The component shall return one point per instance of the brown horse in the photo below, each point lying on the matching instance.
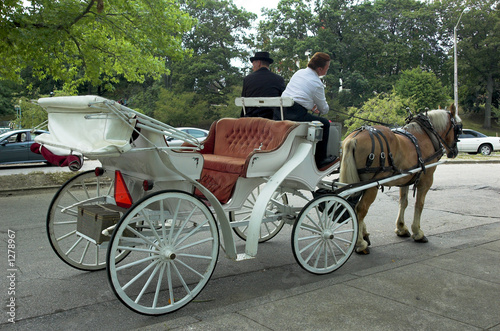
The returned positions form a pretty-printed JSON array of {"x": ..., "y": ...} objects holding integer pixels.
[{"x": 371, "y": 153}]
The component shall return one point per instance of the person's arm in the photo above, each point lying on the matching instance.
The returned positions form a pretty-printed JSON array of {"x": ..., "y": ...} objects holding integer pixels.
[{"x": 320, "y": 100}]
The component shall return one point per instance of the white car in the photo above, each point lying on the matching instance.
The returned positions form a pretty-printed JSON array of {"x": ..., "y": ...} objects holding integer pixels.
[
  {"x": 199, "y": 134},
  {"x": 474, "y": 142}
]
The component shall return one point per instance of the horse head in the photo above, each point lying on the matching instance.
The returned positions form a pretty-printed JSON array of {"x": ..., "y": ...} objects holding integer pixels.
[{"x": 448, "y": 126}]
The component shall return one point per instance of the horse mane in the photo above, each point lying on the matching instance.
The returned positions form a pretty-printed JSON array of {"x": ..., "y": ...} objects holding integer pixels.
[{"x": 438, "y": 118}]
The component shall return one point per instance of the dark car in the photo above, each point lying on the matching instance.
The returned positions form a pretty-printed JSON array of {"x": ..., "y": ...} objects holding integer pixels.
[{"x": 15, "y": 147}]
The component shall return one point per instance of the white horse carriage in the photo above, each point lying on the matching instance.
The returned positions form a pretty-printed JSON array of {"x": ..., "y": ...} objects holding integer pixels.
[{"x": 156, "y": 216}]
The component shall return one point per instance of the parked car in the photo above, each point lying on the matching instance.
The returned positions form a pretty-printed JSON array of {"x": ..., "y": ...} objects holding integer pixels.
[
  {"x": 474, "y": 142},
  {"x": 15, "y": 147},
  {"x": 199, "y": 134}
]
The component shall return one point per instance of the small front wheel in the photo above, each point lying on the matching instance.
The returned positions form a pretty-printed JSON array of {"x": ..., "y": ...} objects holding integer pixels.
[
  {"x": 324, "y": 236},
  {"x": 173, "y": 242}
]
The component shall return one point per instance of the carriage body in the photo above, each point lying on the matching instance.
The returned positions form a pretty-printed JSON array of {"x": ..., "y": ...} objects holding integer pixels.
[{"x": 151, "y": 203}]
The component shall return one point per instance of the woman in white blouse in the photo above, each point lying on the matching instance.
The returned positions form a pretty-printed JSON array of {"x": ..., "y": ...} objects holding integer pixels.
[{"x": 308, "y": 94}]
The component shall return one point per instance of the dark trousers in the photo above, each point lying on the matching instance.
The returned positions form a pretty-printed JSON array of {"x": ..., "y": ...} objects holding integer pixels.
[{"x": 298, "y": 113}]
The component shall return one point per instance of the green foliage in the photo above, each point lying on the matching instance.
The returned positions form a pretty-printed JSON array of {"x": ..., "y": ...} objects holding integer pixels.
[
  {"x": 385, "y": 108},
  {"x": 218, "y": 38},
  {"x": 6, "y": 102},
  {"x": 32, "y": 114},
  {"x": 179, "y": 109},
  {"x": 423, "y": 88},
  {"x": 91, "y": 41}
]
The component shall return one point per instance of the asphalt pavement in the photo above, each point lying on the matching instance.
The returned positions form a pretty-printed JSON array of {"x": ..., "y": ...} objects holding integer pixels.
[{"x": 450, "y": 283}]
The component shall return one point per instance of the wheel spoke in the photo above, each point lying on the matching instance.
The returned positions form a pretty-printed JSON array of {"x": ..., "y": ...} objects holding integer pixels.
[
  {"x": 150, "y": 278},
  {"x": 139, "y": 275}
]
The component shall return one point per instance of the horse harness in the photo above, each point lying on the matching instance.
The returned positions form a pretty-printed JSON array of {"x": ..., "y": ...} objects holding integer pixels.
[{"x": 424, "y": 122}]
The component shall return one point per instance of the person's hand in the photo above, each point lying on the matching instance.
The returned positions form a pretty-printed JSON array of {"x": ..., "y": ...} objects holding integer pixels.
[{"x": 315, "y": 109}]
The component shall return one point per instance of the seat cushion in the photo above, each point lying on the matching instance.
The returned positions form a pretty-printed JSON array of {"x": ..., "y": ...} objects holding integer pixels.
[{"x": 222, "y": 163}]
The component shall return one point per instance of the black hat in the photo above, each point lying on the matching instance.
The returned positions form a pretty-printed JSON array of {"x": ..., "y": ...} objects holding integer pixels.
[{"x": 264, "y": 56}]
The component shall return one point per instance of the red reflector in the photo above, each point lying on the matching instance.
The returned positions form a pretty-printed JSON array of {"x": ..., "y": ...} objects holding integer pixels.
[{"x": 122, "y": 196}]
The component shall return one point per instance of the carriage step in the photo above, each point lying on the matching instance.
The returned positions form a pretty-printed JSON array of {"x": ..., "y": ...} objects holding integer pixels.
[{"x": 243, "y": 257}]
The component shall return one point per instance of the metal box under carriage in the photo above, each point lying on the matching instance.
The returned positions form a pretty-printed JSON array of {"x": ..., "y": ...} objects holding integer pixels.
[{"x": 93, "y": 219}]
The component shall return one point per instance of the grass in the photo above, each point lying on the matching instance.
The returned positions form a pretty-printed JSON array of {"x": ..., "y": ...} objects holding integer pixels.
[{"x": 475, "y": 122}]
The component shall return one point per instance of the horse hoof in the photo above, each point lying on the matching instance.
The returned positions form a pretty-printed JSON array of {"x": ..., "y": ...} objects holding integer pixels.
[
  {"x": 367, "y": 239},
  {"x": 422, "y": 240},
  {"x": 365, "y": 251},
  {"x": 405, "y": 235}
]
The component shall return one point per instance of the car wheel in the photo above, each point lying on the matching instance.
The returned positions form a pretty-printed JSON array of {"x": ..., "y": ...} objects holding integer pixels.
[{"x": 485, "y": 149}]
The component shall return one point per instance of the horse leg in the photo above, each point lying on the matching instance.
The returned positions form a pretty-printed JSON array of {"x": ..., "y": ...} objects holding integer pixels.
[
  {"x": 423, "y": 187},
  {"x": 362, "y": 207},
  {"x": 401, "y": 228}
]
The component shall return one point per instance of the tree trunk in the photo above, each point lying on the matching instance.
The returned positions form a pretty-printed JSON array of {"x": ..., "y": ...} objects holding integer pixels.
[{"x": 487, "y": 108}]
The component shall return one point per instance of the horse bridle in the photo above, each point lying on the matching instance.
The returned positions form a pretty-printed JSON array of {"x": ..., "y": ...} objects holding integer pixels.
[{"x": 457, "y": 130}]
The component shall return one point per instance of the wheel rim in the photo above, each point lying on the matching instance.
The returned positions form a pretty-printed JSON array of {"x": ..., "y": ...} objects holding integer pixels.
[
  {"x": 170, "y": 260},
  {"x": 485, "y": 150},
  {"x": 271, "y": 224},
  {"x": 324, "y": 236},
  {"x": 76, "y": 251}
]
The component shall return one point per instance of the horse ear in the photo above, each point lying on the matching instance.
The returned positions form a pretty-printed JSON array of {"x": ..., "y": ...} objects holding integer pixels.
[{"x": 453, "y": 110}]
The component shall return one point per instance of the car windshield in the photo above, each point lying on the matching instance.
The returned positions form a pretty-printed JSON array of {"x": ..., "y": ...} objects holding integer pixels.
[{"x": 5, "y": 135}]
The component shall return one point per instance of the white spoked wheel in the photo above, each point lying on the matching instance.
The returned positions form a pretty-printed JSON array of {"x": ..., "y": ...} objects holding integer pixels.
[
  {"x": 171, "y": 258},
  {"x": 273, "y": 220},
  {"x": 78, "y": 252},
  {"x": 324, "y": 236}
]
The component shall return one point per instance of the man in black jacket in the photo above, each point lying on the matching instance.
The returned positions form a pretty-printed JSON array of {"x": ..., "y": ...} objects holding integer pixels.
[{"x": 261, "y": 83}]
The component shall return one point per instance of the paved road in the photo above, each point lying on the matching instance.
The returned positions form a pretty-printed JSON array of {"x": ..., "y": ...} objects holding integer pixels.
[{"x": 52, "y": 296}]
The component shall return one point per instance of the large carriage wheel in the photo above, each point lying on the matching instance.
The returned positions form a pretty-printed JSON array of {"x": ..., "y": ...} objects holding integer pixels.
[
  {"x": 76, "y": 251},
  {"x": 271, "y": 224},
  {"x": 325, "y": 234},
  {"x": 172, "y": 257}
]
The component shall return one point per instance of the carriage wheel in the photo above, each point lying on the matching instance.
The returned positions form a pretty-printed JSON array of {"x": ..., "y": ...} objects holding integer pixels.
[
  {"x": 73, "y": 249},
  {"x": 325, "y": 234},
  {"x": 171, "y": 259},
  {"x": 269, "y": 229}
]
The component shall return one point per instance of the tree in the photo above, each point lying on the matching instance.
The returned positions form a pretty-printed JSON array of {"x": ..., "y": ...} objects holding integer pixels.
[
  {"x": 6, "y": 102},
  {"x": 384, "y": 108},
  {"x": 287, "y": 33},
  {"x": 91, "y": 41},
  {"x": 479, "y": 51},
  {"x": 423, "y": 88},
  {"x": 218, "y": 38},
  {"x": 179, "y": 109}
]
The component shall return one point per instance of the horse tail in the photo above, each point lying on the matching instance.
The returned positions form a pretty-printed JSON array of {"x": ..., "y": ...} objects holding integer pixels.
[{"x": 348, "y": 169}]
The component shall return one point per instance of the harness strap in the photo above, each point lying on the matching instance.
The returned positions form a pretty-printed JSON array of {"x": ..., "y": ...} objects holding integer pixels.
[
  {"x": 413, "y": 139},
  {"x": 374, "y": 133}
]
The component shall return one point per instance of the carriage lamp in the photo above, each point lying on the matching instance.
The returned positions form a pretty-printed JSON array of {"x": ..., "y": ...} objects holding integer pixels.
[
  {"x": 99, "y": 171},
  {"x": 315, "y": 131},
  {"x": 147, "y": 185}
]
